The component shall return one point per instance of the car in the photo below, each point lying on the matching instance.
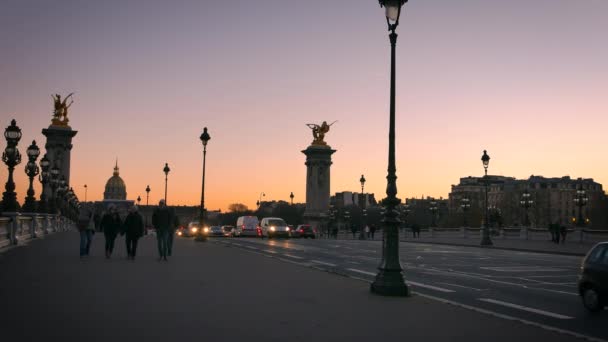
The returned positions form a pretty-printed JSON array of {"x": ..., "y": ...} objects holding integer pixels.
[
  {"x": 189, "y": 231},
  {"x": 274, "y": 227},
  {"x": 249, "y": 226},
  {"x": 304, "y": 231},
  {"x": 218, "y": 231},
  {"x": 231, "y": 231},
  {"x": 593, "y": 279}
]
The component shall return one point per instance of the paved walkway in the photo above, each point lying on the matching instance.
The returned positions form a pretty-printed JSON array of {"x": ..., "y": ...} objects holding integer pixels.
[{"x": 208, "y": 292}]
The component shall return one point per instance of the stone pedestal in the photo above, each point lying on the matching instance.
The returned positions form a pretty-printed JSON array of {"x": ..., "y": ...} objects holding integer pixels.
[
  {"x": 318, "y": 163},
  {"x": 58, "y": 150}
]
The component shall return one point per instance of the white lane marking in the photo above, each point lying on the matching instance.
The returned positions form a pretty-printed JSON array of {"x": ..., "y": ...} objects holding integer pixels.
[
  {"x": 524, "y": 308},
  {"x": 464, "y": 287},
  {"x": 236, "y": 244},
  {"x": 292, "y": 256},
  {"x": 430, "y": 287},
  {"x": 251, "y": 247},
  {"x": 362, "y": 272},
  {"x": 324, "y": 263},
  {"x": 270, "y": 251},
  {"x": 523, "y": 269}
]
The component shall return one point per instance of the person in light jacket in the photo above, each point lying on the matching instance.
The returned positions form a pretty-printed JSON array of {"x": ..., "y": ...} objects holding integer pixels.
[{"x": 86, "y": 227}]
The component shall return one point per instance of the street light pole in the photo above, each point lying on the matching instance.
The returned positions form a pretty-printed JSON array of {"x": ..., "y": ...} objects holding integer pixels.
[
  {"x": 291, "y": 196},
  {"x": 11, "y": 157},
  {"x": 85, "y": 193},
  {"x": 205, "y": 137},
  {"x": 147, "y": 194},
  {"x": 44, "y": 178},
  {"x": 466, "y": 204},
  {"x": 362, "y": 180},
  {"x": 31, "y": 170},
  {"x": 166, "y": 170},
  {"x": 433, "y": 209},
  {"x": 580, "y": 201},
  {"x": 485, "y": 240},
  {"x": 526, "y": 202},
  {"x": 389, "y": 280}
]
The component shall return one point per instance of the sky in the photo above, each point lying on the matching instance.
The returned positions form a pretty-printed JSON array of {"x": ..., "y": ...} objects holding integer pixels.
[{"x": 525, "y": 80}]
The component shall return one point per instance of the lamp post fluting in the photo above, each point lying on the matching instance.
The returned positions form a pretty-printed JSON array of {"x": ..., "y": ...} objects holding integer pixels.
[
  {"x": 580, "y": 200},
  {"x": 11, "y": 157},
  {"x": 362, "y": 180},
  {"x": 485, "y": 240},
  {"x": 389, "y": 280},
  {"x": 166, "y": 170},
  {"x": 204, "y": 139},
  {"x": 31, "y": 170},
  {"x": 526, "y": 202},
  {"x": 44, "y": 178},
  {"x": 465, "y": 205}
]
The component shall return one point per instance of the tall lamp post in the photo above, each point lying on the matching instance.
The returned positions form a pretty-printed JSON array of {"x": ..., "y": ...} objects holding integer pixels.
[
  {"x": 147, "y": 195},
  {"x": 580, "y": 200},
  {"x": 259, "y": 202},
  {"x": 362, "y": 180},
  {"x": 204, "y": 139},
  {"x": 526, "y": 202},
  {"x": 85, "y": 193},
  {"x": 54, "y": 186},
  {"x": 485, "y": 240},
  {"x": 11, "y": 157},
  {"x": 31, "y": 170},
  {"x": 291, "y": 196},
  {"x": 465, "y": 205},
  {"x": 138, "y": 200},
  {"x": 389, "y": 280},
  {"x": 166, "y": 170},
  {"x": 433, "y": 209},
  {"x": 44, "y": 178}
]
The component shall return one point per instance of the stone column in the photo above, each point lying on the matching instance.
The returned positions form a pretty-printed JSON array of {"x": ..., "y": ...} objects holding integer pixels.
[
  {"x": 58, "y": 149},
  {"x": 318, "y": 163}
]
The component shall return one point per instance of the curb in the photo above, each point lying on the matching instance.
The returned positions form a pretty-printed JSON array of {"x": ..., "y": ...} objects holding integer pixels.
[{"x": 497, "y": 247}]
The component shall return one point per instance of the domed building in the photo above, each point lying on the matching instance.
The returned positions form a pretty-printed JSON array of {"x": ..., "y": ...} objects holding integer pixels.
[{"x": 116, "y": 190}]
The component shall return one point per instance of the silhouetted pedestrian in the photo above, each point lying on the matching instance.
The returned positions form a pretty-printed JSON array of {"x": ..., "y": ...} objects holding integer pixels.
[
  {"x": 367, "y": 231},
  {"x": 111, "y": 225},
  {"x": 162, "y": 221},
  {"x": 86, "y": 227},
  {"x": 171, "y": 233},
  {"x": 134, "y": 229},
  {"x": 563, "y": 232},
  {"x": 372, "y": 230},
  {"x": 353, "y": 230}
]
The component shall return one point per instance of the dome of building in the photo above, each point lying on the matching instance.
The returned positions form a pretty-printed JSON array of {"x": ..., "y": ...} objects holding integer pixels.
[{"x": 115, "y": 187}]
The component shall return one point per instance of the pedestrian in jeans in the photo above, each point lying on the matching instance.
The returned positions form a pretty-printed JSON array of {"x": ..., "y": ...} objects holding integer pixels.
[
  {"x": 134, "y": 229},
  {"x": 111, "y": 226},
  {"x": 86, "y": 227},
  {"x": 162, "y": 220}
]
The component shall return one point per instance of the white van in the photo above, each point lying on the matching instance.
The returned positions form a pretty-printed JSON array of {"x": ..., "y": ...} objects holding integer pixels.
[
  {"x": 248, "y": 226},
  {"x": 274, "y": 226}
]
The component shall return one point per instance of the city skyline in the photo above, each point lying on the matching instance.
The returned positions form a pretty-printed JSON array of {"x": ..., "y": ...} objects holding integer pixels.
[{"x": 525, "y": 81}]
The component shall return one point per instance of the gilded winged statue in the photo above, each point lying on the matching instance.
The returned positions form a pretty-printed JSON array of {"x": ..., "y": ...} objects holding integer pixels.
[
  {"x": 60, "y": 113},
  {"x": 318, "y": 132}
]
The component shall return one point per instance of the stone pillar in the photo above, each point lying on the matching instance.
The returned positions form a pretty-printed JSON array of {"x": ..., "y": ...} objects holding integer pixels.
[
  {"x": 58, "y": 149},
  {"x": 318, "y": 163}
]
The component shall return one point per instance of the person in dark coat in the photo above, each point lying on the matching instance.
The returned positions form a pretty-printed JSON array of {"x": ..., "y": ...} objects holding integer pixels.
[
  {"x": 171, "y": 233},
  {"x": 134, "y": 229},
  {"x": 372, "y": 230},
  {"x": 111, "y": 226},
  {"x": 162, "y": 220}
]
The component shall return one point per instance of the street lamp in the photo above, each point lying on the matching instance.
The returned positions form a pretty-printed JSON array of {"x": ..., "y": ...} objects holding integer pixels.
[
  {"x": 433, "y": 209},
  {"x": 389, "y": 280},
  {"x": 580, "y": 200},
  {"x": 166, "y": 170},
  {"x": 466, "y": 205},
  {"x": 147, "y": 194},
  {"x": 138, "y": 200},
  {"x": 31, "y": 170},
  {"x": 291, "y": 196},
  {"x": 259, "y": 202},
  {"x": 526, "y": 202},
  {"x": 54, "y": 186},
  {"x": 485, "y": 240},
  {"x": 85, "y": 193},
  {"x": 364, "y": 209},
  {"x": 44, "y": 178},
  {"x": 11, "y": 157},
  {"x": 204, "y": 139}
]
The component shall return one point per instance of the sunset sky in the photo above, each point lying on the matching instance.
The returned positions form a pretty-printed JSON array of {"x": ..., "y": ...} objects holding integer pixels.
[{"x": 526, "y": 80}]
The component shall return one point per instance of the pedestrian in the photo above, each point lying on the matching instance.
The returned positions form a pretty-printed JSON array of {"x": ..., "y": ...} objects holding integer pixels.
[
  {"x": 353, "y": 230},
  {"x": 134, "y": 229},
  {"x": 372, "y": 230},
  {"x": 563, "y": 232},
  {"x": 367, "y": 231},
  {"x": 110, "y": 225},
  {"x": 171, "y": 234},
  {"x": 86, "y": 227},
  {"x": 162, "y": 221}
]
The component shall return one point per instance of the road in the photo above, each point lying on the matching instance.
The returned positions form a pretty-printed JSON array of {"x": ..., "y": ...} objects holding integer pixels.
[{"x": 538, "y": 289}]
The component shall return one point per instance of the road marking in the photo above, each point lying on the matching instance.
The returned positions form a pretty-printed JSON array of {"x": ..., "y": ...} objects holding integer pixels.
[
  {"x": 251, "y": 247},
  {"x": 270, "y": 251},
  {"x": 430, "y": 287},
  {"x": 524, "y": 308},
  {"x": 324, "y": 263},
  {"x": 464, "y": 287},
  {"x": 523, "y": 269},
  {"x": 292, "y": 256},
  {"x": 362, "y": 272}
]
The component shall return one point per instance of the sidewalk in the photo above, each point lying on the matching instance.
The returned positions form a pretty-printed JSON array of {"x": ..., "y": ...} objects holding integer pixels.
[{"x": 214, "y": 293}]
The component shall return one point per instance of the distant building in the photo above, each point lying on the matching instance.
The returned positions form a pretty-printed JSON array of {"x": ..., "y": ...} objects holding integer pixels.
[
  {"x": 115, "y": 187},
  {"x": 346, "y": 198},
  {"x": 420, "y": 211}
]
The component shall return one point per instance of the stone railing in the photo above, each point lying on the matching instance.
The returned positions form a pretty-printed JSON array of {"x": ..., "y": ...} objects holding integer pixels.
[{"x": 21, "y": 227}]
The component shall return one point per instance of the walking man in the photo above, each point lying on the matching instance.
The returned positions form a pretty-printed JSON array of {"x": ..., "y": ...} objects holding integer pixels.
[
  {"x": 86, "y": 227},
  {"x": 162, "y": 221},
  {"x": 111, "y": 226},
  {"x": 134, "y": 229},
  {"x": 171, "y": 235},
  {"x": 372, "y": 230}
]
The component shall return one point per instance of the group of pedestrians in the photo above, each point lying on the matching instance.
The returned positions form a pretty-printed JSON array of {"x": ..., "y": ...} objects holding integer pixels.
[{"x": 110, "y": 223}]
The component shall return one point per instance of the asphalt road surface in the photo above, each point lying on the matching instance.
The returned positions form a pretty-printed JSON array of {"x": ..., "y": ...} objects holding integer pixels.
[{"x": 535, "y": 288}]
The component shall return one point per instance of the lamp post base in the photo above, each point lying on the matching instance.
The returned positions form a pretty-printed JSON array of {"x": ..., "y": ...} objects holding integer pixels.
[{"x": 390, "y": 283}]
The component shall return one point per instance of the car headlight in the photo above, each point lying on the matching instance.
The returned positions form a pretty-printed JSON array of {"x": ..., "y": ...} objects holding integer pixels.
[
  {"x": 205, "y": 230},
  {"x": 194, "y": 229},
  {"x": 179, "y": 233},
  {"x": 287, "y": 229},
  {"x": 272, "y": 229}
]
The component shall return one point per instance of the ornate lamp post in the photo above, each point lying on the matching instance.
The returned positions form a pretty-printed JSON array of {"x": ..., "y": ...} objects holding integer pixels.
[
  {"x": 31, "y": 170},
  {"x": 138, "y": 200},
  {"x": 147, "y": 194},
  {"x": 11, "y": 157},
  {"x": 85, "y": 193},
  {"x": 204, "y": 139},
  {"x": 526, "y": 202},
  {"x": 389, "y": 280},
  {"x": 54, "y": 186},
  {"x": 166, "y": 170},
  {"x": 291, "y": 196},
  {"x": 259, "y": 202},
  {"x": 580, "y": 200},
  {"x": 465, "y": 205},
  {"x": 485, "y": 240},
  {"x": 433, "y": 209},
  {"x": 363, "y": 209},
  {"x": 44, "y": 178}
]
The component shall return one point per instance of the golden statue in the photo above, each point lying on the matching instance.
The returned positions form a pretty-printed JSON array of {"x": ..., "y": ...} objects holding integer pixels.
[
  {"x": 318, "y": 132},
  {"x": 60, "y": 113}
]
